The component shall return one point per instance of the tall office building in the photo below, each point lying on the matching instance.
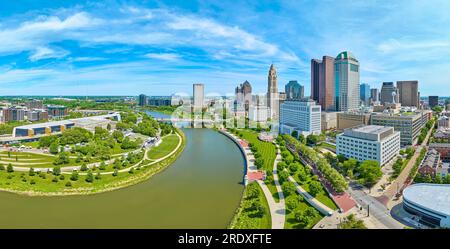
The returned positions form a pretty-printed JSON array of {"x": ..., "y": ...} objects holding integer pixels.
[
  {"x": 198, "y": 95},
  {"x": 388, "y": 93},
  {"x": 433, "y": 101},
  {"x": 272, "y": 93},
  {"x": 323, "y": 82},
  {"x": 303, "y": 116},
  {"x": 374, "y": 95},
  {"x": 143, "y": 100},
  {"x": 364, "y": 93},
  {"x": 408, "y": 92},
  {"x": 294, "y": 90},
  {"x": 243, "y": 95},
  {"x": 347, "y": 81}
]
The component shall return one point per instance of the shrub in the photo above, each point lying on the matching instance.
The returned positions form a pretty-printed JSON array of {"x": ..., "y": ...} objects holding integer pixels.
[
  {"x": 74, "y": 176},
  {"x": 89, "y": 177},
  {"x": 32, "y": 182},
  {"x": 62, "y": 177},
  {"x": 116, "y": 173},
  {"x": 68, "y": 184},
  {"x": 55, "y": 179}
]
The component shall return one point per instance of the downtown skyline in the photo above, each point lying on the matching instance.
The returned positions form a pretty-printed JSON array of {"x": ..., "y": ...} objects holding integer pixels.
[{"x": 87, "y": 48}]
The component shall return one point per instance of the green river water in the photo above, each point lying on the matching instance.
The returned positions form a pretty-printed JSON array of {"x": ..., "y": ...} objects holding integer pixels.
[{"x": 200, "y": 190}]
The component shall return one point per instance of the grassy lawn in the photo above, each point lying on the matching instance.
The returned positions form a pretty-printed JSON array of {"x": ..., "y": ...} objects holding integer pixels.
[
  {"x": 33, "y": 144},
  {"x": 267, "y": 149},
  {"x": 273, "y": 189},
  {"x": 246, "y": 217},
  {"x": 45, "y": 182},
  {"x": 168, "y": 144}
]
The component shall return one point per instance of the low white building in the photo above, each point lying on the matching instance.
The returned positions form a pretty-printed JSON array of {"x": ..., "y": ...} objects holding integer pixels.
[
  {"x": 369, "y": 142},
  {"x": 303, "y": 116}
]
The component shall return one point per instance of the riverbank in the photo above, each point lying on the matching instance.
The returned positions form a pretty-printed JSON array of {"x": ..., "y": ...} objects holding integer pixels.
[{"x": 90, "y": 184}]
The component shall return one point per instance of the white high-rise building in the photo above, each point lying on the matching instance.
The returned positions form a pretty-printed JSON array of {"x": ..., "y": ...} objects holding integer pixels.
[
  {"x": 346, "y": 68},
  {"x": 369, "y": 142},
  {"x": 199, "y": 96},
  {"x": 272, "y": 93},
  {"x": 303, "y": 116}
]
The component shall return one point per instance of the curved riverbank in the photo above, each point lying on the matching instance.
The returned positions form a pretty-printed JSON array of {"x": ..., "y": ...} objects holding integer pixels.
[{"x": 132, "y": 175}]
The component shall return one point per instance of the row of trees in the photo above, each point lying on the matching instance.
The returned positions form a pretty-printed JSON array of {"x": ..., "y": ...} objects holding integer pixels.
[
  {"x": 424, "y": 131},
  {"x": 332, "y": 175}
]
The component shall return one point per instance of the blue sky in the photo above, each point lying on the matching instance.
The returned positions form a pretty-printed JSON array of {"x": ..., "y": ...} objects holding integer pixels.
[{"x": 161, "y": 47}]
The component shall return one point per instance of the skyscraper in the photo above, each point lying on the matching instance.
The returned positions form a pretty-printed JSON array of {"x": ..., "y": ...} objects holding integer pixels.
[
  {"x": 198, "y": 94},
  {"x": 374, "y": 95},
  {"x": 388, "y": 93},
  {"x": 243, "y": 96},
  {"x": 323, "y": 82},
  {"x": 364, "y": 93},
  {"x": 347, "y": 81},
  {"x": 294, "y": 90},
  {"x": 143, "y": 100},
  {"x": 408, "y": 92},
  {"x": 272, "y": 93}
]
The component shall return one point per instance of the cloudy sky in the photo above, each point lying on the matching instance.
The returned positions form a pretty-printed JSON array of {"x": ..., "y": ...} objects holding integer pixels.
[{"x": 161, "y": 47}]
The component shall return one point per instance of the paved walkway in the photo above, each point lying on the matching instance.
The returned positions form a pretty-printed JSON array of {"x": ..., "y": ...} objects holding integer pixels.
[{"x": 277, "y": 210}]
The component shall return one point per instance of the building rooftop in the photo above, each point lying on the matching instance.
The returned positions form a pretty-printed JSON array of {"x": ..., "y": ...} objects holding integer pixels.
[
  {"x": 435, "y": 197},
  {"x": 372, "y": 129},
  {"x": 46, "y": 124},
  {"x": 369, "y": 132}
]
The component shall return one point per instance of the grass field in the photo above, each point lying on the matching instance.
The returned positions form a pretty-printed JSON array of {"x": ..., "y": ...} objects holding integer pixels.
[
  {"x": 25, "y": 159},
  {"x": 246, "y": 218},
  {"x": 267, "y": 149},
  {"x": 168, "y": 144}
]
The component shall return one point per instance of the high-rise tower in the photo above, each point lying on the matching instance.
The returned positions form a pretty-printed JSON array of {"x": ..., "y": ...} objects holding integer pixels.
[
  {"x": 272, "y": 93},
  {"x": 323, "y": 82},
  {"x": 347, "y": 81}
]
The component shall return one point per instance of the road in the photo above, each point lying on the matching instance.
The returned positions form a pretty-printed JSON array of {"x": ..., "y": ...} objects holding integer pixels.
[{"x": 376, "y": 209}]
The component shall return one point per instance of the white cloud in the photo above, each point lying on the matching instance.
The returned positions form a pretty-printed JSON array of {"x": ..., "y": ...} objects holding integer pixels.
[
  {"x": 163, "y": 56},
  {"x": 46, "y": 53}
]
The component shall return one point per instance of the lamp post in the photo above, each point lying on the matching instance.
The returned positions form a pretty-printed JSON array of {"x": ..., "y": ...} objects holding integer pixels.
[{"x": 368, "y": 210}]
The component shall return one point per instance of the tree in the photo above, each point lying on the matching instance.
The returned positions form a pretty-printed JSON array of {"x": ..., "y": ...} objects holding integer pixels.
[
  {"x": 98, "y": 176},
  {"x": 62, "y": 158},
  {"x": 108, "y": 126},
  {"x": 68, "y": 184},
  {"x": 74, "y": 176},
  {"x": 46, "y": 141},
  {"x": 102, "y": 165},
  {"x": 56, "y": 171},
  {"x": 253, "y": 191},
  {"x": 351, "y": 222},
  {"x": 370, "y": 172},
  {"x": 54, "y": 148},
  {"x": 302, "y": 139},
  {"x": 302, "y": 219},
  {"x": 83, "y": 167},
  {"x": 31, "y": 172},
  {"x": 292, "y": 203},
  {"x": 89, "y": 177},
  {"x": 294, "y": 134},
  {"x": 315, "y": 188},
  {"x": 350, "y": 164},
  {"x": 10, "y": 168},
  {"x": 288, "y": 188}
]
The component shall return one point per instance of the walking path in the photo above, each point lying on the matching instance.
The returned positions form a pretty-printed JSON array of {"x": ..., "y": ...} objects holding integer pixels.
[{"x": 277, "y": 210}]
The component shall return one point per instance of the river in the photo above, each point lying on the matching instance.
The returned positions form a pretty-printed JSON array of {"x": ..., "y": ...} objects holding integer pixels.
[{"x": 200, "y": 190}]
